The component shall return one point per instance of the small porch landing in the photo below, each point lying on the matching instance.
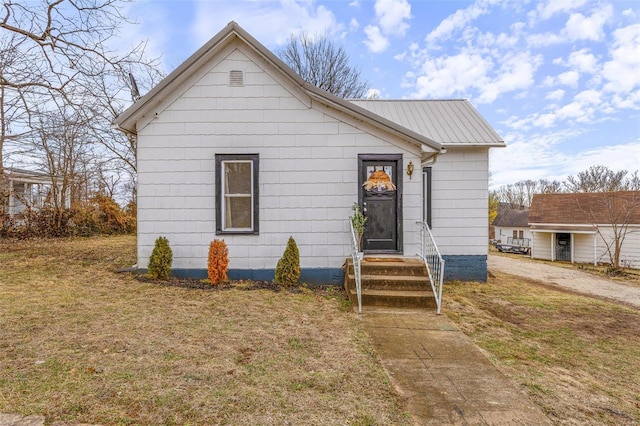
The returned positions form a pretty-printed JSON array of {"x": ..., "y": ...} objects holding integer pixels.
[{"x": 399, "y": 282}]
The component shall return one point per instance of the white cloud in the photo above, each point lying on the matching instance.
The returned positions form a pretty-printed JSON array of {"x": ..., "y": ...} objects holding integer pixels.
[
  {"x": 445, "y": 76},
  {"x": 588, "y": 97},
  {"x": 583, "y": 61},
  {"x": 628, "y": 12},
  {"x": 630, "y": 101},
  {"x": 372, "y": 94},
  {"x": 549, "y": 8},
  {"x": 151, "y": 24},
  {"x": 530, "y": 156},
  {"x": 536, "y": 158},
  {"x": 354, "y": 24},
  {"x": 569, "y": 78},
  {"x": 391, "y": 15},
  {"x": 580, "y": 27},
  {"x": 458, "y": 20},
  {"x": 516, "y": 73},
  {"x": 390, "y": 19},
  {"x": 354, "y": 3},
  {"x": 545, "y": 39},
  {"x": 582, "y": 109},
  {"x": 271, "y": 23},
  {"x": 375, "y": 41},
  {"x": 622, "y": 72},
  {"x": 555, "y": 95},
  {"x": 400, "y": 56},
  {"x": 625, "y": 156}
]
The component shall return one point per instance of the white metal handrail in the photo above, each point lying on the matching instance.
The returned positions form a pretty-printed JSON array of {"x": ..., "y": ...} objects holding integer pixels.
[
  {"x": 433, "y": 261},
  {"x": 355, "y": 256}
]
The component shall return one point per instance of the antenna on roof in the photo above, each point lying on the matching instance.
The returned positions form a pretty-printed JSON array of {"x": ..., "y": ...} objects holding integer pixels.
[{"x": 135, "y": 93}]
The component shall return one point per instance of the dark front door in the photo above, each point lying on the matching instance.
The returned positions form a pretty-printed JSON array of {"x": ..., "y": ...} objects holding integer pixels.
[
  {"x": 563, "y": 246},
  {"x": 380, "y": 199}
]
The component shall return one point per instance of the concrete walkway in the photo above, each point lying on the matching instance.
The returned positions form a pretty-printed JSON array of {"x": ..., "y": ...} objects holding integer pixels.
[
  {"x": 8, "y": 419},
  {"x": 443, "y": 376},
  {"x": 572, "y": 279}
]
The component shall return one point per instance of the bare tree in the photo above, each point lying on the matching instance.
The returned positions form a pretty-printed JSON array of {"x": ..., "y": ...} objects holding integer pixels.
[
  {"x": 62, "y": 147},
  {"x": 520, "y": 194},
  {"x": 548, "y": 186},
  {"x": 12, "y": 113},
  {"x": 612, "y": 213},
  {"x": 597, "y": 179},
  {"x": 512, "y": 195},
  {"x": 322, "y": 63},
  {"x": 632, "y": 182},
  {"x": 57, "y": 55}
]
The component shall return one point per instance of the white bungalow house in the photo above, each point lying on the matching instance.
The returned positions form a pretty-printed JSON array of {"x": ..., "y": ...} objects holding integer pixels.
[
  {"x": 580, "y": 227},
  {"x": 512, "y": 223},
  {"x": 234, "y": 145},
  {"x": 26, "y": 189}
]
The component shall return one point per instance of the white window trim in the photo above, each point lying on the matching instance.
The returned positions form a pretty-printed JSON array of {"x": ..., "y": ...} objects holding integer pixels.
[{"x": 225, "y": 196}]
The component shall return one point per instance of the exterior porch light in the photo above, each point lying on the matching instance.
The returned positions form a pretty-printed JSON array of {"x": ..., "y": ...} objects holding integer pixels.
[{"x": 410, "y": 169}]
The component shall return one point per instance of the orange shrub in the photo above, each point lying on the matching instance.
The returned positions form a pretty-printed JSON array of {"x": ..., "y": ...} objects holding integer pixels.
[{"x": 218, "y": 263}]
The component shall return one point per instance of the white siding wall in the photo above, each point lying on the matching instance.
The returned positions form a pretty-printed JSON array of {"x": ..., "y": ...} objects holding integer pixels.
[
  {"x": 541, "y": 245},
  {"x": 308, "y": 170},
  {"x": 583, "y": 247},
  {"x": 630, "y": 253},
  {"x": 631, "y": 248},
  {"x": 459, "y": 202},
  {"x": 504, "y": 232}
]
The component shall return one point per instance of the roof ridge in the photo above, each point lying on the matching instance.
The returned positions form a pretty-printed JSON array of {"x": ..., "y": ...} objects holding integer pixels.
[{"x": 408, "y": 100}]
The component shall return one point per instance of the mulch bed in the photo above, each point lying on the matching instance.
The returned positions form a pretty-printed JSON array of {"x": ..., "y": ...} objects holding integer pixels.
[{"x": 198, "y": 284}]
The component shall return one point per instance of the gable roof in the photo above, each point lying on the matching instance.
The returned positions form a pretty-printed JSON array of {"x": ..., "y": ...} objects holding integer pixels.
[
  {"x": 515, "y": 218},
  {"x": 128, "y": 119},
  {"x": 451, "y": 122},
  {"x": 586, "y": 208}
]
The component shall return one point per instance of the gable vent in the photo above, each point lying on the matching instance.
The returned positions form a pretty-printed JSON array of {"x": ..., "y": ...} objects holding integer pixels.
[{"x": 236, "y": 78}]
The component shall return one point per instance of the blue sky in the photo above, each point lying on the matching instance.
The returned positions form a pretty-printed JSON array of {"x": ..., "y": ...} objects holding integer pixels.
[{"x": 559, "y": 80}]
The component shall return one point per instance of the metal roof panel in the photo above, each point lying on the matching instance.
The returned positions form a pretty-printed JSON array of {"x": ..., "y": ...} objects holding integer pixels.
[{"x": 451, "y": 122}]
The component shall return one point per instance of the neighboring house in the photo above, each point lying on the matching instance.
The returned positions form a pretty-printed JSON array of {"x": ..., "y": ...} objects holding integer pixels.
[
  {"x": 234, "y": 145},
  {"x": 579, "y": 227},
  {"x": 511, "y": 223},
  {"x": 26, "y": 189}
]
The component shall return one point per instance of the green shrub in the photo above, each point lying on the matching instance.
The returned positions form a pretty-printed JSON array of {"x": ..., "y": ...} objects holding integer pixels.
[
  {"x": 160, "y": 260},
  {"x": 288, "y": 267}
]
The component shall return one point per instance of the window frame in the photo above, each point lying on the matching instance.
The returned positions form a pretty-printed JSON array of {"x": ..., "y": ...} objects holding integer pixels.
[
  {"x": 426, "y": 195},
  {"x": 220, "y": 160}
]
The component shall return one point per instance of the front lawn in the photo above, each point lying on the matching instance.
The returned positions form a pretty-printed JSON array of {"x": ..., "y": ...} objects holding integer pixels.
[
  {"x": 81, "y": 343},
  {"x": 577, "y": 357}
]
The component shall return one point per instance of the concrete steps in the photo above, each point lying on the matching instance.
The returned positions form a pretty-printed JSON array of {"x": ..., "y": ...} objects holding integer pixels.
[{"x": 392, "y": 282}]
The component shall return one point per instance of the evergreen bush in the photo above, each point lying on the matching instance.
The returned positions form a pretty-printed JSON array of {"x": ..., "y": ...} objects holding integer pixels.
[
  {"x": 218, "y": 262},
  {"x": 160, "y": 261},
  {"x": 288, "y": 267}
]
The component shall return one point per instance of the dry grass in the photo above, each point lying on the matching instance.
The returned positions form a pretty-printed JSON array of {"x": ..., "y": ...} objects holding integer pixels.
[
  {"x": 80, "y": 343},
  {"x": 576, "y": 356}
]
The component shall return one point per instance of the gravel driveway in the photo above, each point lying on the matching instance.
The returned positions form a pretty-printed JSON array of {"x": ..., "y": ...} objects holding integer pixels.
[{"x": 579, "y": 281}]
